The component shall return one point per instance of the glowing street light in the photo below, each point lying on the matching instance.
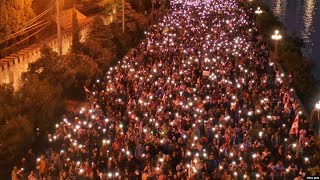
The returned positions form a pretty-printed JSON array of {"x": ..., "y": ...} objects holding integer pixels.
[
  {"x": 316, "y": 120},
  {"x": 317, "y": 106},
  {"x": 276, "y": 37},
  {"x": 258, "y": 11}
]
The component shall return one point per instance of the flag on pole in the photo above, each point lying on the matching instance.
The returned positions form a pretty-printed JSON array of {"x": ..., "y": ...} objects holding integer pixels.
[
  {"x": 86, "y": 89},
  {"x": 295, "y": 126},
  {"x": 164, "y": 97},
  {"x": 205, "y": 73},
  {"x": 166, "y": 29}
]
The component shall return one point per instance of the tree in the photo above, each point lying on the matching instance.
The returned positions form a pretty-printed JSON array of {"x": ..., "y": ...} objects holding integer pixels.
[
  {"x": 16, "y": 136},
  {"x": 15, "y": 14},
  {"x": 8, "y": 104},
  {"x": 109, "y": 6},
  {"x": 291, "y": 58},
  {"x": 141, "y": 5},
  {"x": 39, "y": 6},
  {"x": 102, "y": 56},
  {"x": 135, "y": 23},
  {"x": 76, "y": 36},
  {"x": 100, "y": 44},
  {"x": 266, "y": 24},
  {"x": 101, "y": 33},
  {"x": 13, "y": 17},
  {"x": 83, "y": 70},
  {"x": 304, "y": 80},
  {"x": 42, "y": 103},
  {"x": 70, "y": 72},
  {"x": 45, "y": 68}
]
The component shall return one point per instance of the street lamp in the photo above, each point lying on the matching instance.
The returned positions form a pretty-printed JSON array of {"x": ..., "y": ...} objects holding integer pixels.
[
  {"x": 123, "y": 24},
  {"x": 258, "y": 11},
  {"x": 152, "y": 10},
  {"x": 276, "y": 37},
  {"x": 317, "y": 106},
  {"x": 59, "y": 36},
  {"x": 316, "y": 122}
]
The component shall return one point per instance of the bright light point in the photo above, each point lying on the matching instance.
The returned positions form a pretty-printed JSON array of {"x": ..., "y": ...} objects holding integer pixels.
[
  {"x": 317, "y": 106},
  {"x": 294, "y": 145},
  {"x": 276, "y": 36}
]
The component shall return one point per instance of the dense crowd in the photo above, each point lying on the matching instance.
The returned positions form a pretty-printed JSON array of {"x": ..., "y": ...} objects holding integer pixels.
[{"x": 199, "y": 98}]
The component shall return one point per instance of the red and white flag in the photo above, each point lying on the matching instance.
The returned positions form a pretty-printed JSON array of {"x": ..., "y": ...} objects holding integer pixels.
[
  {"x": 86, "y": 89},
  {"x": 295, "y": 126}
]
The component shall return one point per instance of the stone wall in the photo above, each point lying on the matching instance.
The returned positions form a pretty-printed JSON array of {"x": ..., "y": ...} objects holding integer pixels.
[{"x": 12, "y": 66}]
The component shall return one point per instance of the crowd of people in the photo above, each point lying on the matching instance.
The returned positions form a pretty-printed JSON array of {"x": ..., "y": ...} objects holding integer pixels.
[{"x": 199, "y": 98}]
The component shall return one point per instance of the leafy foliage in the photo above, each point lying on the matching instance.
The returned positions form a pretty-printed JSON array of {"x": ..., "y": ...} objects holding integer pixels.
[
  {"x": 141, "y": 5},
  {"x": 314, "y": 171},
  {"x": 100, "y": 44},
  {"x": 71, "y": 72},
  {"x": 293, "y": 61},
  {"x": 304, "y": 80},
  {"x": 13, "y": 17},
  {"x": 39, "y": 6},
  {"x": 82, "y": 70},
  {"x": 110, "y": 5},
  {"x": 8, "y": 104},
  {"x": 101, "y": 33},
  {"x": 267, "y": 23},
  {"x": 15, "y": 14},
  {"x": 135, "y": 23},
  {"x": 42, "y": 102},
  {"x": 15, "y": 137},
  {"x": 102, "y": 56},
  {"x": 76, "y": 36}
]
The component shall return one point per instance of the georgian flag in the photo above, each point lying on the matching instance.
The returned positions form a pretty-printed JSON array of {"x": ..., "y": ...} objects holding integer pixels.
[
  {"x": 295, "y": 126},
  {"x": 86, "y": 89}
]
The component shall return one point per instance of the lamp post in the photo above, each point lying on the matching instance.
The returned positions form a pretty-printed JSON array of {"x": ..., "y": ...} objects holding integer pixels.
[
  {"x": 152, "y": 10},
  {"x": 59, "y": 27},
  {"x": 123, "y": 24},
  {"x": 316, "y": 123},
  {"x": 258, "y": 11},
  {"x": 276, "y": 37}
]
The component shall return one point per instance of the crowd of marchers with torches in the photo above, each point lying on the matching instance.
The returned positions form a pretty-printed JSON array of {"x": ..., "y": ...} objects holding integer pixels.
[{"x": 199, "y": 98}]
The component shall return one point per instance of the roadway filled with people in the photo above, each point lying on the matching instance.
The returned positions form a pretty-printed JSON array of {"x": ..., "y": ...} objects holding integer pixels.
[{"x": 199, "y": 98}]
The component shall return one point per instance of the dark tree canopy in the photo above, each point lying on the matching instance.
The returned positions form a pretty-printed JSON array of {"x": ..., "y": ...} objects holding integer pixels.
[
  {"x": 14, "y": 14},
  {"x": 76, "y": 36},
  {"x": 8, "y": 102},
  {"x": 15, "y": 137}
]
